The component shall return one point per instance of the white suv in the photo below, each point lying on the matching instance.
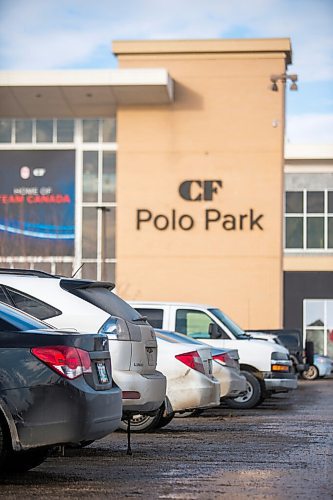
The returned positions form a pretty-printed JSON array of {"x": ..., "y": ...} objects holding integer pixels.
[{"x": 90, "y": 306}]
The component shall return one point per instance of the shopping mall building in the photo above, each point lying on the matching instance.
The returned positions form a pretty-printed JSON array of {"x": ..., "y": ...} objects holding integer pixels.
[{"x": 170, "y": 176}]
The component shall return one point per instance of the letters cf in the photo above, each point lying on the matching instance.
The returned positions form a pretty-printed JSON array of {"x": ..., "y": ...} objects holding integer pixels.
[{"x": 196, "y": 190}]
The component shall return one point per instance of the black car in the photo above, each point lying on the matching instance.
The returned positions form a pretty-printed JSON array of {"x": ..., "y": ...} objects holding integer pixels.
[
  {"x": 55, "y": 388},
  {"x": 292, "y": 339}
]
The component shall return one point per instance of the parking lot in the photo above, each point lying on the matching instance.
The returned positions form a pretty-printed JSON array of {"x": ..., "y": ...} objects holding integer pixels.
[{"x": 282, "y": 449}]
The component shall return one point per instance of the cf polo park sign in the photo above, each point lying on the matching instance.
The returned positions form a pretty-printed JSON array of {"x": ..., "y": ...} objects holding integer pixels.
[{"x": 199, "y": 191}]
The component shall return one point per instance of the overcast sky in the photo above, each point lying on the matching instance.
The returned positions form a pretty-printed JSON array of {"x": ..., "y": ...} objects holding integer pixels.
[{"x": 69, "y": 34}]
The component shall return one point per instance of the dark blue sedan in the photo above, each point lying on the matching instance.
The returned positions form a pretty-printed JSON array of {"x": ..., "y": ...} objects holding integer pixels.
[{"x": 56, "y": 388}]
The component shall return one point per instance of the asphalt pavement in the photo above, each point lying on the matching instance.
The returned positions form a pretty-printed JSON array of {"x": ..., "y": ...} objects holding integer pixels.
[{"x": 281, "y": 450}]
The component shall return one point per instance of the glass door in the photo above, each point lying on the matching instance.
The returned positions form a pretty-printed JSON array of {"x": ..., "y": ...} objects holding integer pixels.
[{"x": 318, "y": 324}]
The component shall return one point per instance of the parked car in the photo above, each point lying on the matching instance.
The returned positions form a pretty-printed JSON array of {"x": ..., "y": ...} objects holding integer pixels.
[
  {"x": 225, "y": 365},
  {"x": 190, "y": 383},
  {"x": 91, "y": 306},
  {"x": 266, "y": 366},
  {"x": 292, "y": 339},
  {"x": 55, "y": 388},
  {"x": 321, "y": 367}
]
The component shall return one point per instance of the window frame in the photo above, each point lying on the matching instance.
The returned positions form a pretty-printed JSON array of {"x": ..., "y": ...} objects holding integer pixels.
[
  {"x": 103, "y": 264},
  {"x": 305, "y": 215}
]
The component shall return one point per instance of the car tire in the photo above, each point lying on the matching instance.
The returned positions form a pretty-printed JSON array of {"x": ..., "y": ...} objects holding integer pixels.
[
  {"x": 163, "y": 421},
  {"x": 22, "y": 461},
  {"x": 311, "y": 374},
  {"x": 253, "y": 397},
  {"x": 142, "y": 423}
]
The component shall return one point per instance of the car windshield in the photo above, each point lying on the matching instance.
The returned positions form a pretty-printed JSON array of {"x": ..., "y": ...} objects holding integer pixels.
[
  {"x": 20, "y": 320},
  {"x": 231, "y": 325}
]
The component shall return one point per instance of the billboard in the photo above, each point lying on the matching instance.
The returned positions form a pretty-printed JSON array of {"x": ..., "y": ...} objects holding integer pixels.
[{"x": 37, "y": 203}]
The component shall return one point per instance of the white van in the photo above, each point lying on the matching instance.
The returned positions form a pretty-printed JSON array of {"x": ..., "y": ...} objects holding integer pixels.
[{"x": 266, "y": 365}]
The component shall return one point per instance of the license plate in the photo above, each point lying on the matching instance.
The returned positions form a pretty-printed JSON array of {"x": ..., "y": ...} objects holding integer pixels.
[
  {"x": 102, "y": 373},
  {"x": 151, "y": 356}
]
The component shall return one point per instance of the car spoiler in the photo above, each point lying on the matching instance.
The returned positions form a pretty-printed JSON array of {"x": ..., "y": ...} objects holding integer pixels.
[{"x": 72, "y": 284}]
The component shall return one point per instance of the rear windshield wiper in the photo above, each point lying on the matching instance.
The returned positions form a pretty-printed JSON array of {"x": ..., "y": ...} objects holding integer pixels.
[{"x": 141, "y": 318}]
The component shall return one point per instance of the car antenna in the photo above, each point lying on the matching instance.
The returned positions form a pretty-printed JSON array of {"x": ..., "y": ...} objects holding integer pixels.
[{"x": 79, "y": 269}]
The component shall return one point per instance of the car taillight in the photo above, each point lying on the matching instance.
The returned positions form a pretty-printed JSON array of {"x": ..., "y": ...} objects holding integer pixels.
[
  {"x": 131, "y": 395},
  {"x": 116, "y": 329},
  {"x": 193, "y": 360},
  {"x": 70, "y": 362},
  {"x": 225, "y": 359}
]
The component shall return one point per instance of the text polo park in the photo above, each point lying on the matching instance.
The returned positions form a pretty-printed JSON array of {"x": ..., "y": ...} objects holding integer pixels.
[{"x": 196, "y": 191}]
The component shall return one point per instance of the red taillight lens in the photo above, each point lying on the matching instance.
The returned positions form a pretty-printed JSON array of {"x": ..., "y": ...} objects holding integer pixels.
[
  {"x": 225, "y": 359},
  {"x": 193, "y": 360},
  {"x": 70, "y": 362},
  {"x": 131, "y": 395}
]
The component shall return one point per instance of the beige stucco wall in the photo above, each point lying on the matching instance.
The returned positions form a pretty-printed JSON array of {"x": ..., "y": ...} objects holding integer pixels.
[
  {"x": 308, "y": 262},
  {"x": 225, "y": 124}
]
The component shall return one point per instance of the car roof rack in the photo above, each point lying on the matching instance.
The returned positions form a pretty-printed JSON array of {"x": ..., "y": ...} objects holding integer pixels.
[{"x": 27, "y": 272}]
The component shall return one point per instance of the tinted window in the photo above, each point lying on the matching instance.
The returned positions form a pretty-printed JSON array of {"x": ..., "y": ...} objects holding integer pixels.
[
  {"x": 65, "y": 130},
  {"x": 23, "y": 130},
  {"x": 32, "y": 305},
  {"x": 5, "y": 130},
  {"x": 44, "y": 130},
  {"x": 90, "y": 130},
  {"x": 294, "y": 232},
  {"x": 14, "y": 320},
  {"x": 294, "y": 202},
  {"x": 154, "y": 316},
  {"x": 3, "y": 296}
]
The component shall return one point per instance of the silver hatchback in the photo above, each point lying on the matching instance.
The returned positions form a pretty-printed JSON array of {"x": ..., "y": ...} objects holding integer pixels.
[{"x": 88, "y": 307}]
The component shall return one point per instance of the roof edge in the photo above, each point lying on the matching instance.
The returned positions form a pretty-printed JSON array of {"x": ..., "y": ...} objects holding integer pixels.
[
  {"x": 308, "y": 152},
  {"x": 227, "y": 45}
]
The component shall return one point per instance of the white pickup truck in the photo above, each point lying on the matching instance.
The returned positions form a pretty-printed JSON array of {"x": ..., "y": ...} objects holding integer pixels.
[{"x": 266, "y": 365}]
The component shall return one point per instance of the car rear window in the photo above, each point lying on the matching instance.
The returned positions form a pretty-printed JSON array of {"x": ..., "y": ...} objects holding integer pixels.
[
  {"x": 31, "y": 305},
  {"x": 3, "y": 296},
  {"x": 12, "y": 319}
]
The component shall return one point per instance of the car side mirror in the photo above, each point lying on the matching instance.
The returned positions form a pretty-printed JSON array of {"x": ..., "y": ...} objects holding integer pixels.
[{"x": 214, "y": 332}]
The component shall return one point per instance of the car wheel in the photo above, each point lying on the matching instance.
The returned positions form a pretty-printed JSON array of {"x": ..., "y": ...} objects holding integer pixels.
[
  {"x": 311, "y": 374},
  {"x": 22, "y": 461},
  {"x": 142, "y": 423},
  {"x": 253, "y": 396}
]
